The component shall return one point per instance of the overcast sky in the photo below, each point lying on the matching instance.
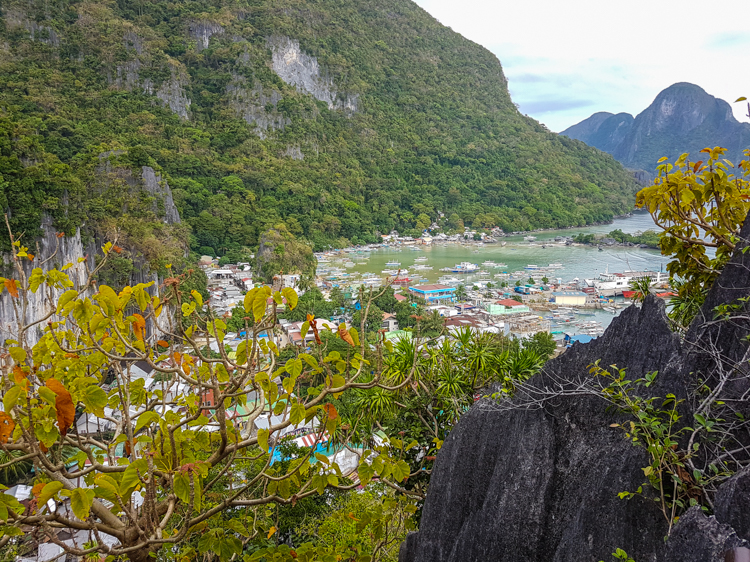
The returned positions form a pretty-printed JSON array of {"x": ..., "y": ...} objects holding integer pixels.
[{"x": 568, "y": 59}]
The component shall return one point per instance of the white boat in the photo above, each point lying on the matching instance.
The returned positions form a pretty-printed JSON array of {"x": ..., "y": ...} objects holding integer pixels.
[
  {"x": 531, "y": 266},
  {"x": 529, "y": 238},
  {"x": 613, "y": 284},
  {"x": 464, "y": 267},
  {"x": 555, "y": 266},
  {"x": 420, "y": 258},
  {"x": 392, "y": 263}
]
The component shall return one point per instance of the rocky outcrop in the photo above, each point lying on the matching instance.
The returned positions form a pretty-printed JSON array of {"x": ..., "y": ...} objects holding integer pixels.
[
  {"x": 163, "y": 202},
  {"x": 202, "y": 31},
  {"x": 302, "y": 71},
  {"x": 682, "y": 118},
  {"x": 537, "y": 478},
  {"x": 57, "y": 251},
  {"x": 293, "y": 152},
  {"x": 256, "y": 105},
  {"x": 700, "y": 538},
  {"x": 42, "y": 33},
  {"x": 172, "y": 93},
  {"x": 732, "y": 502}
]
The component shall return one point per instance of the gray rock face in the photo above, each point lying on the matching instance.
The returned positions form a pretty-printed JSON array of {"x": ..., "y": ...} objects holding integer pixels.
[
  {"x": 60, "y": 251},
  {"x": 701, "y": 539},
  {"x": 256, "y": 106},
  {"x": 159, "y": 188},
  {"x": 293, "y": 152},
  {"x": 302, "y": 71},
  {"x": 44, "y": 34},
  {"x": 172, "y": 94},
  {"x": 202, "y": 31},
  {"x": 537, "y": 479},
  {"x": 732, "y": 504}
]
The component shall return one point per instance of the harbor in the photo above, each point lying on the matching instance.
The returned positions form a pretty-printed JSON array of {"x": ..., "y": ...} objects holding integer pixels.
[{"x": 534, "y": 269}]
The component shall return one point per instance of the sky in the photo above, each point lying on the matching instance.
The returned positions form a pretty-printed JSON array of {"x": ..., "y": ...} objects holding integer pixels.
[{"x": 565, "y": 60}]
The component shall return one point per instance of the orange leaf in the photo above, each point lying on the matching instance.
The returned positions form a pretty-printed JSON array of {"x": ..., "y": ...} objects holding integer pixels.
[
  {"x": 331, "y": 411},
  {"x": 310, "y": 318},
  {"x": 697, "y": 165},
  {"x": 271, "y": 531},
  {"x": 10, "y": 284},
  {"x": 139, "y": 326},
  {"x": 30, "y": 256},
  {"x": 128, "y": 448},
  {"x": 345, "y": 335},
  {"x": 37, "y": 489},
  {"x": 43, "y": 447},
  {"x": 66, "y": 410},
  {"x": 18, "y": 374},
  {"x": 60, "y": 234},
  {"x": 7, "y": 425},
  {"x": 117, "y": 249},
  {"x": 177, "y": 357},
  {"x": 162, "y": 343}
]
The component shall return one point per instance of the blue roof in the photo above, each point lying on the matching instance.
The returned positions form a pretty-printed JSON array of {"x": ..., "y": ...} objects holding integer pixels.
[{"x": 582, "y": 338}]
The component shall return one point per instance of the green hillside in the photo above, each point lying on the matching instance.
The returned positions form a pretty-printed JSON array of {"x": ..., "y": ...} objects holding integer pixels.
[{"x": 338, "y": 118}]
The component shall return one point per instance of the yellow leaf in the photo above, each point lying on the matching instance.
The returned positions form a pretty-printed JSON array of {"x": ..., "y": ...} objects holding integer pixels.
[{"x": 271, "y": 532}]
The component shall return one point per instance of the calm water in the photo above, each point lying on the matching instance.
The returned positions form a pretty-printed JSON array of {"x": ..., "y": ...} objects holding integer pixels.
[{"x": 578, "y": 261}]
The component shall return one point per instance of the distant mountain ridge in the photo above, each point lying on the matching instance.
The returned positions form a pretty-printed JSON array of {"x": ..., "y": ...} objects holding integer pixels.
[{"x": 682, "y": 118}]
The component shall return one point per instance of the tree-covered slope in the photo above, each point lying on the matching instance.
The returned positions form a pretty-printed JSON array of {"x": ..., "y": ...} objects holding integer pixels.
[
  {"x": 682, "y": 118},
  {"x": 335, "y": 117}
]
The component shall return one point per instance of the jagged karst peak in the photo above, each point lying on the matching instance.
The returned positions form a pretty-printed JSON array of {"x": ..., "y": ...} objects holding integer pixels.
[{"x": 682, "y": 118}]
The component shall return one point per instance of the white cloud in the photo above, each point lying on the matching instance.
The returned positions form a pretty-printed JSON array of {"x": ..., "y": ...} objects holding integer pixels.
[{"x": 567, "y": 60}]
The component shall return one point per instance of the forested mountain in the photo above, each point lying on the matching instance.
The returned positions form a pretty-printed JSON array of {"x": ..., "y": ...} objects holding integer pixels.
[
  {"x": 682, "y": 118},
  {"x": 338, "y": 118}
]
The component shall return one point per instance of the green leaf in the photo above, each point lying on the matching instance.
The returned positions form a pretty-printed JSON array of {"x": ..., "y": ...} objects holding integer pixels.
[
  {"x": 36, "y": 279},
  {"x": 182, "y": 487},
  {"x": 66, "y": 298},
  {"x": 18, "y": 354},
  {"x": 297, "y": 413},
  {"x": 11, "y": 397},
  {"x": 130, "y": 480},
  {"x": 49, "y": 490},
  {"x": 146, "y": 418},
  {"x": 263, "y": 435},
  {"x": 94, "y": 398},
  {"x": 80, "y": 502}
]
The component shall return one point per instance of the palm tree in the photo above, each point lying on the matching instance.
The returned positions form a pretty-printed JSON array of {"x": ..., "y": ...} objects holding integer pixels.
[
  {"x": 545, "y": 280},
  {"x": 642, "y": 288},
  {"x": 461, "y": 292}
]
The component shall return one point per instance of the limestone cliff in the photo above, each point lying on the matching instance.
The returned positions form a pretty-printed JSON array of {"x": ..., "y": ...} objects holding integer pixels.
[{"x": 302, "y": 71}]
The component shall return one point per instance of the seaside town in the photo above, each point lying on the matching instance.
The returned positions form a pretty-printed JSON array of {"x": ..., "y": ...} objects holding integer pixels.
[{"x": 485, "y": 296}]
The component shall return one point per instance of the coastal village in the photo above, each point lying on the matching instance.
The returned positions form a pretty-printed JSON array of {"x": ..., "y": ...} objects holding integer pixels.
[{"x": 486, "y": 296}]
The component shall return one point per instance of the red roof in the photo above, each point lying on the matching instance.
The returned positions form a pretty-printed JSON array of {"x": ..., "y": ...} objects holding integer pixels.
[
  {"x": 400, "y": 298},
  {"x": 509, "y": 302}
]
